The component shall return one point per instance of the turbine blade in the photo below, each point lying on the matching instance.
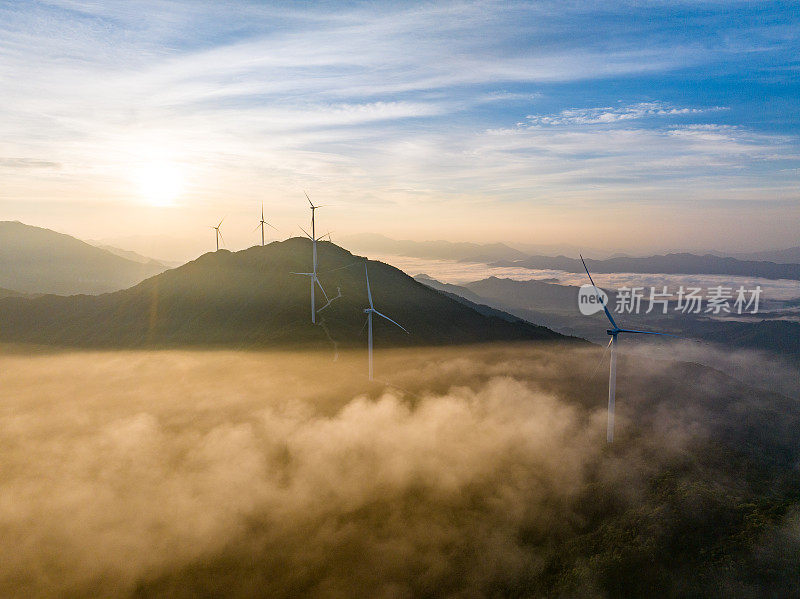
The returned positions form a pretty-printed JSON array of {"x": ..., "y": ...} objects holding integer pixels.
[
  {"x": 269, "y": 225},
  {"x": 605, "y": 308},
  {"x": 257, "y": 227},
  {"x": 220, "y": 222},
  {"x": 390, "y": 320},
  {"x": 320, "y": 287},
  {"x": 324, "y": 235},
  {"x": 648, "y": 333},
  {"x": 308, "y": 198},
  {"x": 369, "y": 293},
  {"x": 221, "y": 237},
  {"x": 587, "y": 270},
  {"x": 608, "y": 315},
  {"x": 330, "y": 301},
  {"x": 304, "y": 231}
]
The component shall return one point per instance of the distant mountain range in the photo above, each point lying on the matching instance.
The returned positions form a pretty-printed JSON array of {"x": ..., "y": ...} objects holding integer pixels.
[
  {"x": 36, "y": 260},
  {"x": 669, "y": 264},
  {"x": 787, "y": 256},
  {"x": 251, "y": 299},
  {"x": 436, "y": 250},
  {"x": 556, "y": 307},
  {"x": 783, "y": 264}
]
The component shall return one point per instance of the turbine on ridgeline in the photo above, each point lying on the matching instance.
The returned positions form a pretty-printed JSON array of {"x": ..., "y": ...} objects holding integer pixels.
[
  {"x": 313, "y": 273},
  {"x": 370, "y": 311},
  {"x": 612, "y": 376},
  {"x": 261, "y": 224},
  {"x": 219, "y": 233}
]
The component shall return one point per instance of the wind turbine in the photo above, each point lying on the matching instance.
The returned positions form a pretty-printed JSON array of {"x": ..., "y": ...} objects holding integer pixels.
[
  {"x": 612, "y": 376},
  {"x": 370, "y": 311},
  {"x": 219, "y": 233},
  {"x": 313, "y": 273},
  {"x": 261, "y": 224}
]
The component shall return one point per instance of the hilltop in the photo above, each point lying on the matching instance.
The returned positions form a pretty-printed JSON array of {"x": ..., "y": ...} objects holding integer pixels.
[{"x": 251, "y": 299}]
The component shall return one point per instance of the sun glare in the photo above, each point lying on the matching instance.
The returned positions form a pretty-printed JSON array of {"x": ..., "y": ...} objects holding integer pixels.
[{"x": 160, "y": 183}]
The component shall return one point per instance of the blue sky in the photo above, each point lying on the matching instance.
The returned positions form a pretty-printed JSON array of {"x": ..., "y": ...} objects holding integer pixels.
[{"x": 665, "y": 124}]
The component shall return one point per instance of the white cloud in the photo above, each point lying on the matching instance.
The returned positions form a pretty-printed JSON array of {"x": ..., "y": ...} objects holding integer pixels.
[{"x": 609, "y": 114}]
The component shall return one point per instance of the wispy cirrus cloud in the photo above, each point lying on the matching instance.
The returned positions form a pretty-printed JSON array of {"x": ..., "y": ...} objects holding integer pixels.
[{"x": 611, "y": 114}]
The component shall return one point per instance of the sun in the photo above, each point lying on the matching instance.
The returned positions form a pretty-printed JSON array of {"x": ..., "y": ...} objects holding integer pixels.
[{"x": 160, "y": 183}]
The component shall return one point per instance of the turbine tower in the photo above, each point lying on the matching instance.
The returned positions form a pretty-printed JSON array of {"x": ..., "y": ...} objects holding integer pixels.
[
  {"x": 261, "y": 224},
  {"x": 219, "y": 233},
  {"x": 313, "y": 273},
  {"x": 370, "y": 311},
  {"x": 612, "y": 376}
]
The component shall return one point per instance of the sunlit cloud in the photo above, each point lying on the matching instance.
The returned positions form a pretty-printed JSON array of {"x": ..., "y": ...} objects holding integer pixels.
[{"x": 377, "y": 109}]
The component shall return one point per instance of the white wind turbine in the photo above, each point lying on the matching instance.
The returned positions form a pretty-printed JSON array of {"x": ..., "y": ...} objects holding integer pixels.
[
  {"x": 370, "y": 311},
  {"x": 612, "y": 376},
  {"x": 219, "y": 233},
  {"x": 261, "y": 224},
  {"x": 313, "y": 273}
]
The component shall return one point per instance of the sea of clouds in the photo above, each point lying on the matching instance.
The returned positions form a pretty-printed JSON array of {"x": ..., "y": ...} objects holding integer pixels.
[{"x": 286, "y": 475}]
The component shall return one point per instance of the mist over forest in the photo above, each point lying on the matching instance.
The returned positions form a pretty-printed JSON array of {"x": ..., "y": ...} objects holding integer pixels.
[{"x": 473, "y": 472}]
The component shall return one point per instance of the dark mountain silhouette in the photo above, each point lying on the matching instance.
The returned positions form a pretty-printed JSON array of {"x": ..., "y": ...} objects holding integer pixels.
[
  {"x": 251, "y": 299},
  {"x": 477, "y": 305},
  {"x": 538, "y": 295},
  {"x": 669, "y": 264},
  {"x": 782, "y": 336},
  {"x": 36, "y": 260},
  {"x": 458, "y": 290}
]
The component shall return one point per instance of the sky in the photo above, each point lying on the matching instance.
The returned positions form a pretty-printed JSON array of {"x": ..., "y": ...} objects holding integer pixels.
[{"x": 633, "y": 126}]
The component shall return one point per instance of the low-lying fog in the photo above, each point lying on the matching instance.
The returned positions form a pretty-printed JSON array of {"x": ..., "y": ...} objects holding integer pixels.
[{"x": 478, "y": 472}]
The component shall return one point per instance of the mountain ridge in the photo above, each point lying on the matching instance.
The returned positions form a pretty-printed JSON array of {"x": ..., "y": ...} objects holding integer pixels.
[
  {"x": 35, "y": 260},
  {"x": 250, "y": 299}
]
